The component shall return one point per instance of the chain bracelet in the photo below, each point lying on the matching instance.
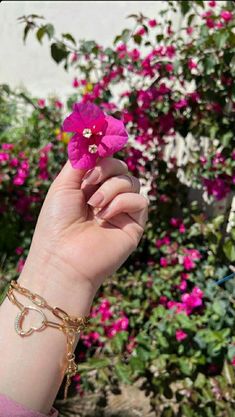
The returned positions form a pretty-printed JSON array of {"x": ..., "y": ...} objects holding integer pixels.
[{"x": 69, "y": 325}]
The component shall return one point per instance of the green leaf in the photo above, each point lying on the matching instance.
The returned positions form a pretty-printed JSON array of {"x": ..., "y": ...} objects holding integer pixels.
[
  {"x": 125, "y": 35},
  {"x": 226, "y": 138},
  {"x": 118, "y": 341},
  {"x": 40, "y": 33},
  {"x": 231, "y": 352},
  {"x": 228, "y": 373},
  {"x": 123, "y": 372},
  {"x": 221, "y": 38},
  {"x": 185, "y": 366},
  {"x": 229, "y": 250},
  {"x": 58, "y": 52},
  {"x": 136, "y": 364},
  {"x": 191, "y": 18},
  {"x": 69, "y": 37},
  {"x": 3, "y": 293},
  {"x": 200, "y": 381},
  {"x": 93, "y": 363},
  {"x": 45, "y": 30},
  {"x": 219, "y": 307},
  {"x": 27, "y": 28},
  {"x": 184, "y": 7},
  {"x": 50, "y": 30},
  {"x": 137, "y": 39},
  {"x": 209, "y": 64}
]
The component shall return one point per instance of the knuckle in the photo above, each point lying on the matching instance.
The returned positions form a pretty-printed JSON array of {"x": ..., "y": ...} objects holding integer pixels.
[{"x": 144, "y": 201}]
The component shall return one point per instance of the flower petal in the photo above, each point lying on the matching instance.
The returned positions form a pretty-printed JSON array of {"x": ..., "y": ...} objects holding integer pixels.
[
  {"x": 79, "y": 155},
  {"x": 115, "y": 137},
  {"x": 71, "y": 123},
  {"x": 85, "y": 115}
]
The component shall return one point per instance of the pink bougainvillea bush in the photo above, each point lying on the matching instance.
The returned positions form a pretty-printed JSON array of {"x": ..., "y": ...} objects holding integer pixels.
[{"x": 161, "y": 321}]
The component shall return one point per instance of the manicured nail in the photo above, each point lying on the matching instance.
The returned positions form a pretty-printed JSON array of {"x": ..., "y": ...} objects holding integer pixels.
[
  {"x": 91, "y": 177},
  {"x": 102, "y": 213},
  {"x": 96, "y": 199}
]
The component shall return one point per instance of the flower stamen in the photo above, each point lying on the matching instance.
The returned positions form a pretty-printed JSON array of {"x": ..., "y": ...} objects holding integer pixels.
[
  {"x": 87, "y": 133},
  {"x": 93, "y": 148}
]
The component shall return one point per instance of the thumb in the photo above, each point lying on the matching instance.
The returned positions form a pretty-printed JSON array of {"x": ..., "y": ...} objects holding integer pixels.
[{"x": 70, "y": 177}]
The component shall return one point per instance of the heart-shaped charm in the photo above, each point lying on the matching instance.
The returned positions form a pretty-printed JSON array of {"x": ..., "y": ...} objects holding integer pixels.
[{"x": 20, "y": 318}]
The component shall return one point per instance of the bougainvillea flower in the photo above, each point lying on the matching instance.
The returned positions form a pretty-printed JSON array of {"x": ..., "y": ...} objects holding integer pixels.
[{"x": 95, "y": 135}]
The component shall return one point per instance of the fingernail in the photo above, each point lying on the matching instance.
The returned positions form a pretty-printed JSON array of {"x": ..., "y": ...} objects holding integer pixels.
[
  {"x": 91, "y": 177},
  {"x": 102, "y": 213},
  {"x": 96, "y": 199}
]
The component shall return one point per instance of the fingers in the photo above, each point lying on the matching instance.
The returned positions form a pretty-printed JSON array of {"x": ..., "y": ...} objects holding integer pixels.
[
  {"x": 104, "y": 169},
  {"x": 112, "y": 187},
  {"x": 135, "y": 205},
  {"x": 69, "y": 177}
]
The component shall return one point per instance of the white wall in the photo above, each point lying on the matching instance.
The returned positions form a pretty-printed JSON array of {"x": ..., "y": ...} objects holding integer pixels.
[{"x": 31, "y": 65}]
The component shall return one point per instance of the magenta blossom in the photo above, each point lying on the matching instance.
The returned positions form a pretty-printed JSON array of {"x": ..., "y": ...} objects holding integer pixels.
[
  {"x": 180, "y": 335},
  {"x": 226, "y": 15},
  {"x": 96, "y": 135},
  {"x": 152, "y": 23}
]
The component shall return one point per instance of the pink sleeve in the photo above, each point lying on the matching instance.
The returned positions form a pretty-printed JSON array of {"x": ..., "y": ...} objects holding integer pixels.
[{"x": 9, "y": 408}]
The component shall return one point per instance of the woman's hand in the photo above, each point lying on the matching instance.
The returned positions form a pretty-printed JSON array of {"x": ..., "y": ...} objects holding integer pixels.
[
  {"x": 73, "y": 246},
  {"x": 72, "y": 252}
]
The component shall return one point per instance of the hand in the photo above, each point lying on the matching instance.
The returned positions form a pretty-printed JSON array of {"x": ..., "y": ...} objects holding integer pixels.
[{"x": 75, "y": 247}]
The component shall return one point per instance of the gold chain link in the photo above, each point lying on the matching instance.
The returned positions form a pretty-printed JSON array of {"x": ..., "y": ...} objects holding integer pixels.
[{"x": 70, "y": 325}]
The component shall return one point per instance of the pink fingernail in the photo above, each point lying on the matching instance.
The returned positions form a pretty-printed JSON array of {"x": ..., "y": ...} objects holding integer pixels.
[
  {"x": 102, "y": 213},
  {"x": 96, "y": 199},
  {"x": 91, "y": 177}
]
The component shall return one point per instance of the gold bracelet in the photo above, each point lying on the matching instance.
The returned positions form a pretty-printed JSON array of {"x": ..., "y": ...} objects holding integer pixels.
[{"x": 70, "y": 325}]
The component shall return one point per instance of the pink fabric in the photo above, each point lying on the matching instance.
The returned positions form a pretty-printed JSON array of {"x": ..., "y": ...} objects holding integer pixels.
[{"x": 10, "y": 408}]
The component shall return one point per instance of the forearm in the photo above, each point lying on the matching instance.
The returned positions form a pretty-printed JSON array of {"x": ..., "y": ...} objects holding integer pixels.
[{"x": 32, "y": 367}]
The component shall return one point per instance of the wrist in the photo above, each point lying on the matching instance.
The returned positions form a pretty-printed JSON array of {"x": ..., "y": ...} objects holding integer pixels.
[{"x": 61, "y": 287}]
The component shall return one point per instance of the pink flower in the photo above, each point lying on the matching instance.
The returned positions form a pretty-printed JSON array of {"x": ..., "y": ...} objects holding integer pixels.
[
  {"x": 217, "y": 187},
  {"x": 233, "y": 361},
  {"x": 152, "y": 23},
  {"x": 226, "y": 15},
  {"x": 163, "y": 262},
  {"x": 19, "y": 250},
  {"x": 181, "y": 104},
  {"x": 75, "y": 82},
  {"x": 122, "y": 323},
  {"x": 134, "y": 54},
  {"x": 164, "y": 241},
  {"x": 183, "y": 285},
  {"x": 193, "y": 253},
  {"x": 192, "y": 300},
  {"x": 169, "y": 67},
  {"x": 175, "y": 222},
  {"x": 191, "y": 64},
  {"x": 170, "y": 51},
  {"x": 58, "y": 104},
  {"x": 141, "y": 31},
  {"x": 180, "y": 335},
  {"x": 4, "y": 157},
  {"x": 74, "y": 57},
  {"x": 14, "y": 162},
  {"x": 182, "y": 228},
  {"x": 189, "y": 30},
  {"x": 96, "y": 135},
  {"x": 210, "y": 23},
  {"x": 41, "y": 103},
  {"x": 20, "y": 264},
  {"x": 188, "y": 263},
  {"x": 212, "y": 3},
  {"x": 7, "y": 146},
  {"x": 219, "y": 24}
]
